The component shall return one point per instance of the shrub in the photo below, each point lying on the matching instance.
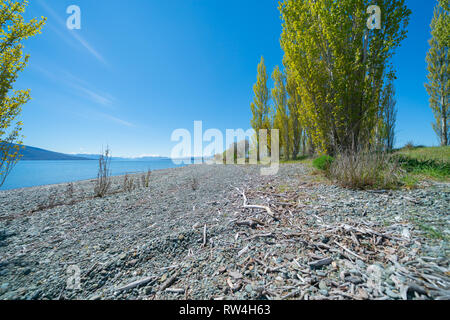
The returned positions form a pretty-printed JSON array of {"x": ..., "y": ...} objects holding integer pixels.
[
  {"x": 323, "y": 162},
  {"x": 409, "y": 145},
  {"x": 194, "y": 183},
  {"x": 366, "y": 169},
  {"x": 103, "y": 182},
  {"x": 128, "y": 183},
  {"x": 147, "y": 178}
]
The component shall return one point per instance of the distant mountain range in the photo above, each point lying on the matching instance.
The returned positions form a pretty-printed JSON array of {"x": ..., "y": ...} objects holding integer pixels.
[
  {"x": 97, "y": 156},
  {"x": 33, "y": 153}
]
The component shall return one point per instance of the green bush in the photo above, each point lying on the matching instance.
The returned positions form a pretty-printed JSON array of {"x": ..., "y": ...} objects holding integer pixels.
[
  {"x": 409, "y": 145},
  {"x": 323, "y": 162}
]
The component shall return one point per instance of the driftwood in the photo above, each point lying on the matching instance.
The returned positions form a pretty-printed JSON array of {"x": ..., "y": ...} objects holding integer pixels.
[
  {"x": 204, "y": 236},
  {"x": 175, "y": 290},
  {"x": 249, "y": 206},
  {"x": 349, "y": 251},
  {"x": 241, "y": 252},
  {"x": 137, "y": 284},
  {"x": 252, "y": 223},
  {"x": 321, "y": 263},
  {"x": 261, "y": 235},
  {"x": 169, "y": 281}
]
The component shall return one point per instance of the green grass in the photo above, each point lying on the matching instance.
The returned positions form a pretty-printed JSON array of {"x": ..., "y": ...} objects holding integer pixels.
[
  {"x": 432, "y": 232},
  {"x": 409, "y": 181},
  {"x": 422, "y": 162},
  {"x": 429, "y": 231},
  {"x": 300, "y": 159},
  {"x": 441, "y": 154}
]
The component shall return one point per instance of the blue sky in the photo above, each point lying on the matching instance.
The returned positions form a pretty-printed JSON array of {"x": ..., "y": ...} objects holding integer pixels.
[{"x": 139, "y": 69}]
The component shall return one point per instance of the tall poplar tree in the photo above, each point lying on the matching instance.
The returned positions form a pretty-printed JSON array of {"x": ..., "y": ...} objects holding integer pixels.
[
  {"x": 438, "y": 86},
  {"x": 295, "y": 128},
  {"x": 260, "y": 106},
  {"x": 339, "y": 65},
  {"x": 442, "y": 28},
  {"x": 281, "y": 117},
  {"x": 388, "y": 114}
]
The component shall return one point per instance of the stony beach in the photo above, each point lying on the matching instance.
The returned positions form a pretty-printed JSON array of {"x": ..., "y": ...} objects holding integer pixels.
[{"x": 225, "y": 232}]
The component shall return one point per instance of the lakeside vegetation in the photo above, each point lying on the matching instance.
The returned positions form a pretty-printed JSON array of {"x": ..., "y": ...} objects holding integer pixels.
[
  {"x": 334, "y": 100},
  {"x": 412, "y": 165}
]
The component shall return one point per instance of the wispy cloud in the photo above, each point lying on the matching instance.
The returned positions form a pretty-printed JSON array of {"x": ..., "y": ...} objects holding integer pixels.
[
  {"x": 82, "y": 87},
  {"x": 73, "y": 33},
  {"x": 96, "y": 97},
  {"x": 115, "y": 119}
]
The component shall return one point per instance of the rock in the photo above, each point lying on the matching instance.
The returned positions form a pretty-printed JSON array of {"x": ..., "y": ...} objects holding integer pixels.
[
  {"x": 392, "y": 294},
  {"x": 353, "y": 279},
  {"x": 132, "y": 262},
  {"x": 164, "y": 277},
  {"x": 26, "y": 271},
  {"x": 235, "y": 274},
  {"x": 324, "y": 292},
  {"x": 360, "y": 264},
  {"x": 362, "y": 294},
  {"x": 407, "y": 292},
  {"x": 122, "y": 256},
  {"x": 249, "y": 288},
  {"x": 323, "y": 285},
  {"x": 375, "y": 274},
  {"x": 148, "y": 290},
  {"x": 375, "y": 271},
  {"x": 406, "y": 233},
  {"x": 35, "y": 295},
  {"x": 4, "y": 287}
]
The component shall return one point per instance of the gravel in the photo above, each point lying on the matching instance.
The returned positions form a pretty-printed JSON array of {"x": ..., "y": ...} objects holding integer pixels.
[{"x": 305, "y": 239}]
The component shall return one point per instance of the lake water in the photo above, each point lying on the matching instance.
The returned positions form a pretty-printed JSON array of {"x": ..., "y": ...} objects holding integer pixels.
[{"x": 28, "y": 173}]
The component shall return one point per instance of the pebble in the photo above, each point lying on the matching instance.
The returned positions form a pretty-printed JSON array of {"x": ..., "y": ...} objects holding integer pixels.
[{"x": 323, "y": 285}]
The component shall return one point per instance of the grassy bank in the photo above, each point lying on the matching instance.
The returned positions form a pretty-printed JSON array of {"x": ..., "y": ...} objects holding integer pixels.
[
  {"x": 425, "y": 163},
  {"x": 415, "y": 163}
]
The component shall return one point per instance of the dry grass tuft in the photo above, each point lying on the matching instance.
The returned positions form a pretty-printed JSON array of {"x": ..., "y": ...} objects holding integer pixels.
[{"x": 365, "y": 170}]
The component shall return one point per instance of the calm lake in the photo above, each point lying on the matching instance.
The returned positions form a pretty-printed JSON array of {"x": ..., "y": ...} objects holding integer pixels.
[{"x": 30, "y": 173}]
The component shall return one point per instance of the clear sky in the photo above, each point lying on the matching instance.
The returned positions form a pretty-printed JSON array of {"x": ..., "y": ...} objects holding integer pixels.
[{"x": 139, "y": 69}]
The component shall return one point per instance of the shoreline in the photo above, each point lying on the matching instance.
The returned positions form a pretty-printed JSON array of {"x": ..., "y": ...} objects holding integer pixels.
[
  {"x": 87, "y": 180},
  {"x": 191, "y": 222}
]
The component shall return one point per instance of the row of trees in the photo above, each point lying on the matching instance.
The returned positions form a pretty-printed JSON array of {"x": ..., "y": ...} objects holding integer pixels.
[
  {"x": 336, "y": 93},
  {"x": 282, "y": 114},
  {"x": 438, "y": 86}
]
